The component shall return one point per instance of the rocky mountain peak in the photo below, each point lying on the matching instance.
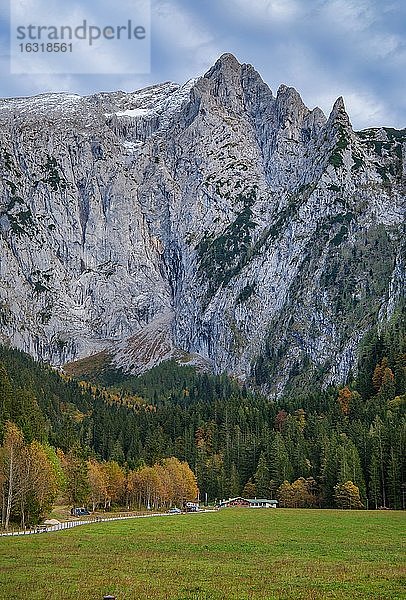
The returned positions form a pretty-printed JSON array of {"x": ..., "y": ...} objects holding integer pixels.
[
  {"x": 238, "y": 87},
  {"x": 226, "y": 63},
  {"x": 209, "y": 222},
  {"x": 339, "y": 114},
  {"x": 223, "y": 82},
  {"x": 288, "y": 93},
  {"x": 318, "y": 116},
  {"x": 290, "y": 106}
]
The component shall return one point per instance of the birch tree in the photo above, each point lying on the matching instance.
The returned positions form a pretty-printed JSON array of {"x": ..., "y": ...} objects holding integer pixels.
[{"x": 10, "y": 458}]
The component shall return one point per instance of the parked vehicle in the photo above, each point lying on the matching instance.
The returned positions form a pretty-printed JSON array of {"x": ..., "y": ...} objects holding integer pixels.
[
  {"x": 79, "y": 512},
  {"x": 192, "y": 507},
  {"x": 174, "y": 511}
]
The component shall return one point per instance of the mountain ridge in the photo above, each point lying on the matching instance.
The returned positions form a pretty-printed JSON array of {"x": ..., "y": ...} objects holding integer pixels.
[{"x": 271, "y": 233}]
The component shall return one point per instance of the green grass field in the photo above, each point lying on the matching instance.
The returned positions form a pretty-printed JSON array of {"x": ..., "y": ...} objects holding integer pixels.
[{"x": 233, "y": 555}]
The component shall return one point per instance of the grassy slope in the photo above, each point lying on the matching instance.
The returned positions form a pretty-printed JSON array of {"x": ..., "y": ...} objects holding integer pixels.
[{"x": 232, "y": 555}]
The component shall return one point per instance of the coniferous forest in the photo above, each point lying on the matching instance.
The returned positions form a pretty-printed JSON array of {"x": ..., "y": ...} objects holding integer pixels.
[{"x": 340, "y": 446}]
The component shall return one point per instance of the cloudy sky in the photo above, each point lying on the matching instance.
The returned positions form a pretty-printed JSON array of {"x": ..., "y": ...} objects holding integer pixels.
[{"x": 323, "y": 48}]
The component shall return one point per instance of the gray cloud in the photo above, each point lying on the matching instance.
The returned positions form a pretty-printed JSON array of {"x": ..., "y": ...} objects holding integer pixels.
[{"x": 324, "y": 48}]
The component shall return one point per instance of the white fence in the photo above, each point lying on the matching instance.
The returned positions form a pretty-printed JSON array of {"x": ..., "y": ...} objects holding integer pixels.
[{"x": 70, "y": 524}]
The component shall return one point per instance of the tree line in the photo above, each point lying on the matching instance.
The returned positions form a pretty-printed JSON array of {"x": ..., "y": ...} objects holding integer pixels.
[
  {"x": 34, "y": 475},
  {"x": 313, "y": 447}
]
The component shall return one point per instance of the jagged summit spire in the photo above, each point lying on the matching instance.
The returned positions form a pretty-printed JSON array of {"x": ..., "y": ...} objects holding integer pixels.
[
  {"x": 228, "y": 59},
  {"x": 226, "y": 63},
  {"x": 339, "y": 113},
  {"x": 290, "y": 106},
  {"x": 339, "y": 104},
  {"x": 286, "y": 92},
  {"x": 224, "y": 81}
]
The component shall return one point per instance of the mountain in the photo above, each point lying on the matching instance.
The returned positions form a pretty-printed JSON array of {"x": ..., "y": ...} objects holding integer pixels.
[{"x": 212, "y": 223}]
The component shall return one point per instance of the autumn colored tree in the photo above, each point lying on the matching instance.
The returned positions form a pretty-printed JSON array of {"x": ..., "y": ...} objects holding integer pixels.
[
  {"x": 114, "y": 482},
  {"x": 97, "y": 482},
  {"x": 183, "y": 480},
  {"x": 299, "y": 494},
  {"x": 303, "y": 493},
  {"x": 346, "y": 495},
  {"x": 134, "y": 488},
  {"x": 41, "y": 483},
  {"x": 300, "y": 416},
  {"x": 284, "y": 495},
  {"x": 163, "y": 495},
  {"x": 377, "y": 377},
  {"x": 387, "y": 389},
  {"x": 11, "y": 457},
  {"x": 28, "y": 476},
  {"x": 344, "y": 400}
]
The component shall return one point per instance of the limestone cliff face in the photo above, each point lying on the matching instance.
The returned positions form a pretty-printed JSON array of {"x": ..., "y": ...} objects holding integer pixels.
[{"x": 211, "y": 222}]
